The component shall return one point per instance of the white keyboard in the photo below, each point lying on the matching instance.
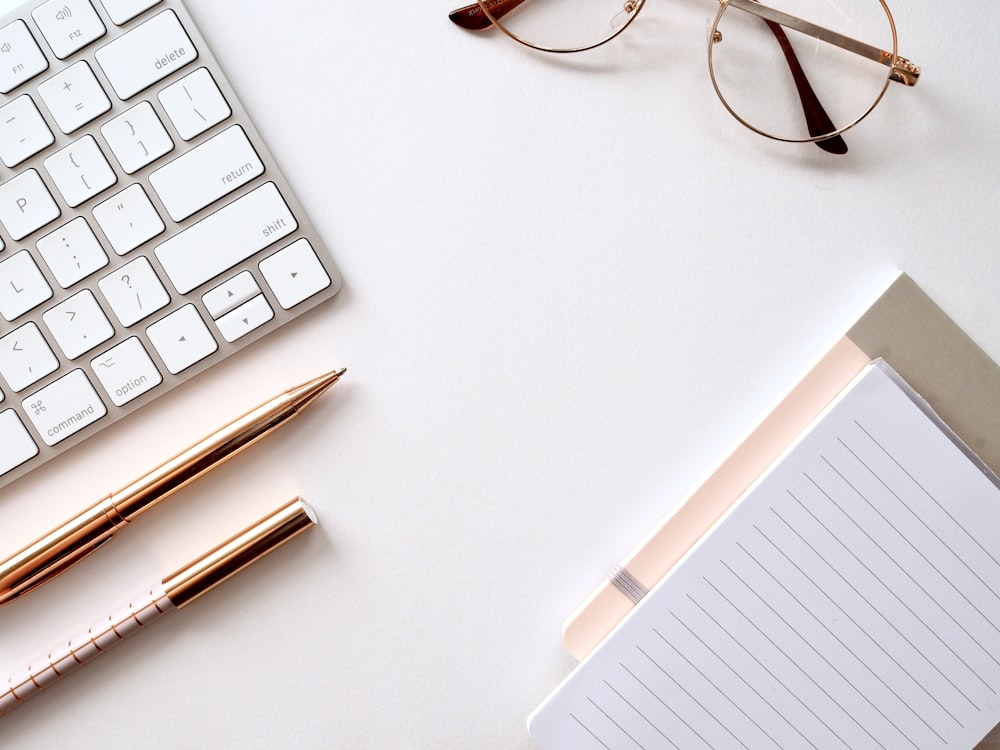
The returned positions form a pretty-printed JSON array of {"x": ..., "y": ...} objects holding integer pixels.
[{"x": 145, "y": 230}]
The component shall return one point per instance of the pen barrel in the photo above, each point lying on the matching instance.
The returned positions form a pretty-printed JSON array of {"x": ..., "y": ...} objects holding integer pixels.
[
  {"x": 202, "y": 457},
  {"x": 70, "y": 656},
  {"x": 58, "y": 550}
]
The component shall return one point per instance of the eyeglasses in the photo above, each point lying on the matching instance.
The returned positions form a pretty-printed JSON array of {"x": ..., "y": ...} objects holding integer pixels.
[{"x": 758, "y": 55}]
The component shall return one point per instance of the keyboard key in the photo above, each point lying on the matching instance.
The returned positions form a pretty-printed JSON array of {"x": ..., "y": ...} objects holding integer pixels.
[
  {"x": 126, "y": 371},
  {"x": 181, "y": 339},
  {"x": 294, "y": 273},
  {"x": 206, "y": 173},
  {"x": 134, "y": 291},
  {"x": 146, "y": 54},
  {"x": 64, "y": 407},
  {"x": 72, "y": 252},
  {"x": 230, "y": 294},
  {"x": 137, "y": 137},
  {"x": 23, "y": 131},
  {"x": 78, "y": 324},
  {"x": 194, "y": 104},
  {"x": 20, "y": 57},
  {"x": 230, "y": 235},
  {"x": 18, "y": 445},
  {"x": 26, "y": 205},
  {"x": 25, "y": 357},
  {"x": 74, "y": 97},
  {"x": 245, "y": 318},
  {"x": 22, "y": 285},
  {"x": 68, "y": 25},
  {"x": 123, "y": 11},
  {"x": 80, "y": 171},
  {"x": 128, "y": 219}
]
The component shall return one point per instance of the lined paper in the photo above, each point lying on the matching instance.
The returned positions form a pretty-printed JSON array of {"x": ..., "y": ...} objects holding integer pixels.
[{"x": 850, "y": 599}]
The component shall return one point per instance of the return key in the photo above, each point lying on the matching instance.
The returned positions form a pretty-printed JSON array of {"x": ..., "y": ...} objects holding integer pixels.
[{"x": 206, "y": 173}]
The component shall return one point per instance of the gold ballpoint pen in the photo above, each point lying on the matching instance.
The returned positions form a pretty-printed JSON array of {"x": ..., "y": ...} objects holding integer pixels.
[{"x": 79, "y": 536}]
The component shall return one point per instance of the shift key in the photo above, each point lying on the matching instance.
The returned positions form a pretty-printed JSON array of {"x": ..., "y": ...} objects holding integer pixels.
[
  {"x": 146, "y": 54},
  {"x": 229, "y": 236}
]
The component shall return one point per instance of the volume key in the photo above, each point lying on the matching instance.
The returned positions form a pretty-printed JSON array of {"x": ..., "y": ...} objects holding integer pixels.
[{"x": 68, "y": 25}]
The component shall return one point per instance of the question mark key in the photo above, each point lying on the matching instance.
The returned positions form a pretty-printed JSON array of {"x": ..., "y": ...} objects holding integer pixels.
[{"x": 134, "y": 291}]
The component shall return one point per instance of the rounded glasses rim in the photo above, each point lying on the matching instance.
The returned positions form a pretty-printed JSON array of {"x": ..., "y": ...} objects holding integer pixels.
[
  {"x": 723, "y": 6},
  {"x": 639, "y": 5}
]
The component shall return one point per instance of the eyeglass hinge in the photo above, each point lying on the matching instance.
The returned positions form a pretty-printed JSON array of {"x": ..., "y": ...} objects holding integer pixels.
[{"x": 903, "y": 71}]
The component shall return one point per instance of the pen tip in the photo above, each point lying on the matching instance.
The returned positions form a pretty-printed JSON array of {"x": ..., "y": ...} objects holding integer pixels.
[{"x": 308, "y": 392}]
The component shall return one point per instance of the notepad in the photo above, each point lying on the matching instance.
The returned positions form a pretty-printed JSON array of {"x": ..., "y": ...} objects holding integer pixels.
[
  {"x": 903, "y": 326},
  {"x": 849, "y": 599}
]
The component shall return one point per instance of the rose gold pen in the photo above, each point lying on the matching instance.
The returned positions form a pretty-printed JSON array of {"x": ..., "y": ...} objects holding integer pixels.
[
  {"x": 173, "y": 592},
  {"x": 85, "y": 532}
]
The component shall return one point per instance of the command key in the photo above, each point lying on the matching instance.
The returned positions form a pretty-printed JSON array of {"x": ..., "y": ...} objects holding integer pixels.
[{"x": 64, "y": 407}]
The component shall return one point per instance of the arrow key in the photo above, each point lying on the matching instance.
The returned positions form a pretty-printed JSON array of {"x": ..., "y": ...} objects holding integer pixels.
[
  {"x": 245, "y": 318},
  {"x": 230, "y": 294},
  {"x": 181, "y": 339},
  {"x": 294, "y": 273}
]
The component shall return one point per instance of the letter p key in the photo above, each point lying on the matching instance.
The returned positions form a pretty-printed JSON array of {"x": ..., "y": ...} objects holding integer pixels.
[{"x": 26, "y": 205}]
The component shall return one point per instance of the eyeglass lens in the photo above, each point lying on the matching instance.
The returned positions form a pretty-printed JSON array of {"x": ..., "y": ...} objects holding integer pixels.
[{"x": 770, "y": 75}]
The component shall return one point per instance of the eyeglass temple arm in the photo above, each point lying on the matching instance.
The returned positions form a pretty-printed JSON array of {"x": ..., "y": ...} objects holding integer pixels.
[
  {"x": 902, "y": 71},
  {"x": 818, "y": 121},
  {"x": 472, "y": 16}
]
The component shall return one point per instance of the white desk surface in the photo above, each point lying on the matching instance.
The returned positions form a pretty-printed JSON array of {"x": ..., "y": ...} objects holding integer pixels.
[{"x": 570, "y": 286}]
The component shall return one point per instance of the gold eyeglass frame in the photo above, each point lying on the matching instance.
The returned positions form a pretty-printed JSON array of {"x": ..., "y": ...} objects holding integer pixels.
[{"x": 899, "y": 69}]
